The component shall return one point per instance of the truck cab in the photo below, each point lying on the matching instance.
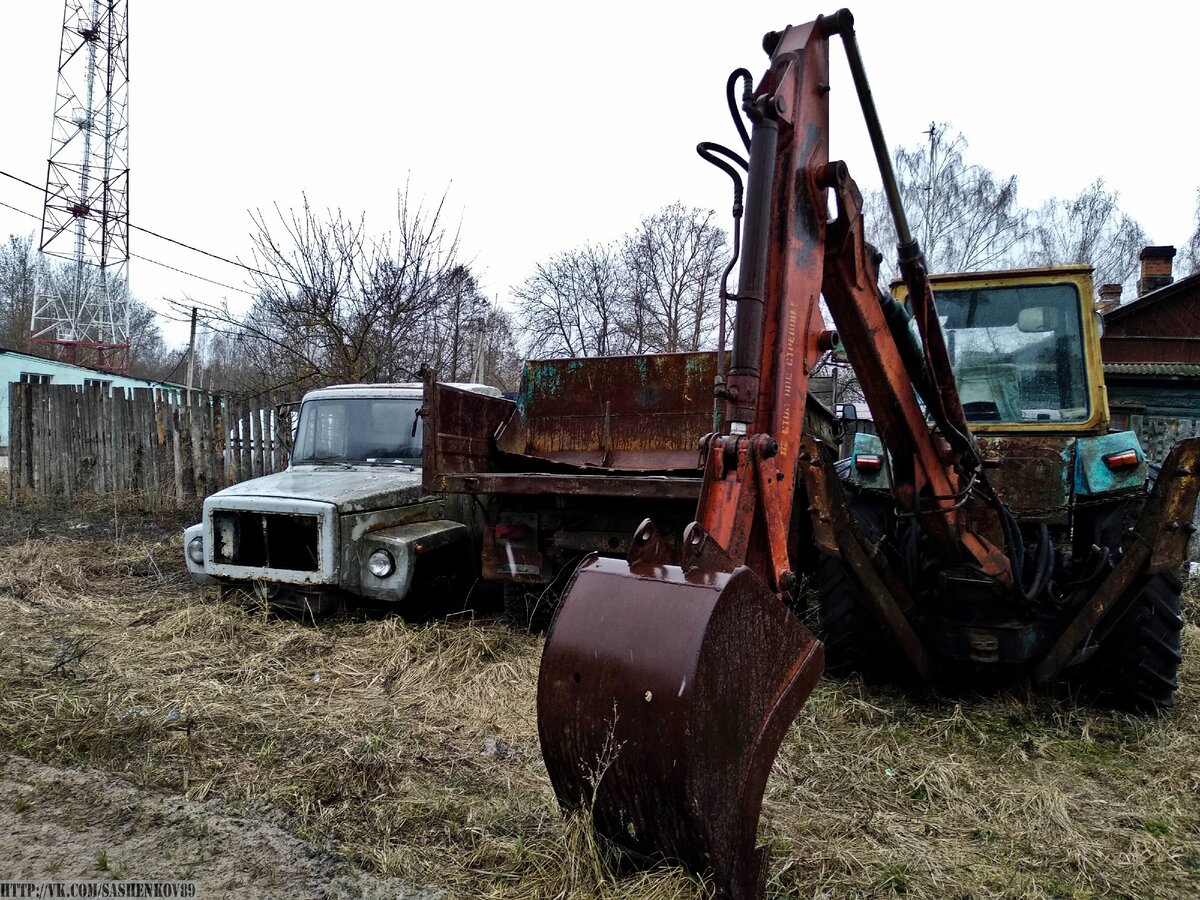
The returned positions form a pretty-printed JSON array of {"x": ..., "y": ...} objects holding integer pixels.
[{"x": 347, "y": 517}]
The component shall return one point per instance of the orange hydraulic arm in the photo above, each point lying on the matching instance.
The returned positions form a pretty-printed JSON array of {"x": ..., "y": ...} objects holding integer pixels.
[
  {"x": 670, "y": 677},
  {"x": 790, "y": 255}
]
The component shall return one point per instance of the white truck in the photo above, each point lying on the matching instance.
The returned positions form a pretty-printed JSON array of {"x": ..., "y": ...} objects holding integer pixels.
[{"x": 347, "y": 517}]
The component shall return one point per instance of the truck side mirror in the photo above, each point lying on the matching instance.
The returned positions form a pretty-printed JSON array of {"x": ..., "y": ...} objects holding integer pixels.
[{"x": 287, "y": 415}]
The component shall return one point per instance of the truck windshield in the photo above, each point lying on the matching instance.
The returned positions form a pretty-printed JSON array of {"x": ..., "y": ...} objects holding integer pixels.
[
  {"x": 373, "y": 430},
  {"x": 1017, "y": 352}
]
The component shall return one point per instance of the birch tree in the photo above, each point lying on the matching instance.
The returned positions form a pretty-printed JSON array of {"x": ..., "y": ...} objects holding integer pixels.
[
  {"x": 1189, "y": 253},
  {"x": 1089, "y": 228},
  {"x": 966, "y": 217},
  {"x": 675, "y": 258},
  {"x": 577, "y": 304},
  {"x": 653, "y": 291}
]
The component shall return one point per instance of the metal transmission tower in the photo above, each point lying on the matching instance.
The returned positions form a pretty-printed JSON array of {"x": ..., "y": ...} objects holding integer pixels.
[{"x": 84, "y": 316}]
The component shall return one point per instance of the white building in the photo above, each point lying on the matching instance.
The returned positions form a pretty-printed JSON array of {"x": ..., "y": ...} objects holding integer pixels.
[{"x": 19, "y": 367}]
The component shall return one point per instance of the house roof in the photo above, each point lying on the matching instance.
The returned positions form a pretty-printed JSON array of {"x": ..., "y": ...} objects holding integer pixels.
[
  {"x": 1134, "y": 307},
  {"x": 1176, "y": 369},
  {"x": 9, "y": 351}
]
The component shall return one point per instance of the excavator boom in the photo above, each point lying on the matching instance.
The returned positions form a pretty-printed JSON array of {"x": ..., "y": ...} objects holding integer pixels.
[{"x": 669, "y": 679}]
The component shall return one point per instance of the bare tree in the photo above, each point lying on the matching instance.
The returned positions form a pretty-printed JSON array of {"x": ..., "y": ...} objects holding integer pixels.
[
  {"x": 148, "y": 354},
  {"x": 334, "y": 303},
  {"x": 1189, "y": 253},
  {"x": 577, "y": 304},
  {"x": 455, "y": 332},
  {"x": 22, "y": 273},
  {"x": 654, "y": 291},
  {"x": 966, "y": 217},
  {"x": 1089, "y": 228},
  {"x": 676, "y": 257},
  {"x": 498, "y": 361},
  {"x": 469, "y": 339}
]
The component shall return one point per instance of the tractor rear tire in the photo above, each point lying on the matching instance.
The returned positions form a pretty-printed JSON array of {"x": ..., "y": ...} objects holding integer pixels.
[
  {"x": 854, "y": 642},
  {"x": 1137, "y": 665}
]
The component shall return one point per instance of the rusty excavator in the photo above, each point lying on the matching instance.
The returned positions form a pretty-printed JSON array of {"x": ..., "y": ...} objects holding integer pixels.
[{"x": 994, "y": 524}]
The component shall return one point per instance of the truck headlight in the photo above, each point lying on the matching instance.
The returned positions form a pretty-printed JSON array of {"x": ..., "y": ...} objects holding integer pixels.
[
  {"x": 381, "y": 563},
  {"x": 195, "y": 550}
]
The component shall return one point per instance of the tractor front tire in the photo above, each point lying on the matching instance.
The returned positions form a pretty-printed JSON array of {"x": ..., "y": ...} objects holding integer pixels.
[
  {"x": 1136, "y": 667},
  {"x": 854, "y": 642}
]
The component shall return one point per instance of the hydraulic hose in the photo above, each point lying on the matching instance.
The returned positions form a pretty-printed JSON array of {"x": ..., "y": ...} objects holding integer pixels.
[
  {"x": 1043, "y": 561},
  {"x": 712, "y": 153},
  {"x": 734, "y": 108}
]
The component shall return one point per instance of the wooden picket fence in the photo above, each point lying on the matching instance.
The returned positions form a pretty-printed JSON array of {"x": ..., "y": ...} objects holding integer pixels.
[{"x": 143, "y": 442}]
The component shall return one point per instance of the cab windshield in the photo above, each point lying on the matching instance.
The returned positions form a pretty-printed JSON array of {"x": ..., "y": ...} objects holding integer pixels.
[
  {"x": 371, "y": 430},
  {"x": 1017, "y": 352}
]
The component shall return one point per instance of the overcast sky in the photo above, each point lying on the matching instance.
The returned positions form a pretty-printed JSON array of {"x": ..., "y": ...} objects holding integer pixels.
[{"x": 555, "y": 124}]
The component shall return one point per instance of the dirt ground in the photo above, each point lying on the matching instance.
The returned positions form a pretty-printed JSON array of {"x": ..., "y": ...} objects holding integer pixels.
[
  {"x": 77, "y": 823},
  {"x": 81, "y": 824},
  {"x": 149, "y": 729}
]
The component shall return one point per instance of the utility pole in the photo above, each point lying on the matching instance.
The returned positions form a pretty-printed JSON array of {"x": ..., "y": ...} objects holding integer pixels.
[
  {"x": 191, "y": 357},
  {"x": 931, "y": 189}
]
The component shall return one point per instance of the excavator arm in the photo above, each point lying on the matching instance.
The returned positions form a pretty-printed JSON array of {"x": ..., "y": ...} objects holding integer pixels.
[
  {"x": 669, "y": 679},
  {"x": 789, "y": 257}
]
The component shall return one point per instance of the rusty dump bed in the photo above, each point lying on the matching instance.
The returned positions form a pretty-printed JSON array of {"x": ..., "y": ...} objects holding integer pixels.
[
  {"x": 607, "y": 426},
  {"x": 618, "y": 413}
]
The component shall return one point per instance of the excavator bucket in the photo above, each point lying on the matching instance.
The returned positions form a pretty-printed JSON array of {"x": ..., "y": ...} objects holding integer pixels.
[{"x": 664, "y": 694}]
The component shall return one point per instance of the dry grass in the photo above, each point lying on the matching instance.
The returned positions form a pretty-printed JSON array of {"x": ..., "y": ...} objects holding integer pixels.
[{"x": 412, "y": 751}]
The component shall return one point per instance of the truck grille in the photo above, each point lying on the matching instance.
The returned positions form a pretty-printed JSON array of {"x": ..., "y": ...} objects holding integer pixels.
[{"x": 266, "y": 540}]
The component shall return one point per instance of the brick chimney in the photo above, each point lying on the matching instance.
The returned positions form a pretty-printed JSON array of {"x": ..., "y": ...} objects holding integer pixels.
[
  {"x": 1156, "y": 269},
  {"x": 1110, "y": 297}
]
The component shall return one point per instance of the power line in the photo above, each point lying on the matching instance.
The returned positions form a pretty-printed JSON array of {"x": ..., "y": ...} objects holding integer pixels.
[
  {"x": 170, "y": 240},
  {"x": 163, "y": 237},
  {"x": 36, "y": 187},
  {"x": 153, "y": 262},
  {"x": 21, "y": 211}
]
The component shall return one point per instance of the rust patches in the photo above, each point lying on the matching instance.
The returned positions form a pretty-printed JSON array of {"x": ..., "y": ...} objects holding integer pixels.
[
  {"x": 663, "y": 696},
  {"x": 1031, "y": 474},
  {"x": 619, "y": 413}
]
